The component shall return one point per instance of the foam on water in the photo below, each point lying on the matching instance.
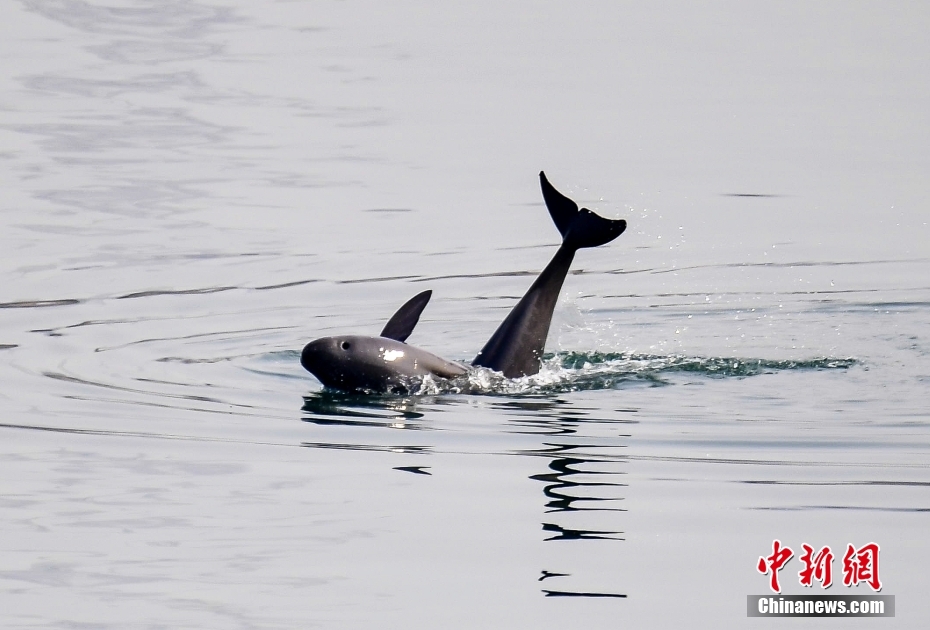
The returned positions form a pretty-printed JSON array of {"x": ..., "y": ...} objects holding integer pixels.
[{"x": 585, "y": 371}]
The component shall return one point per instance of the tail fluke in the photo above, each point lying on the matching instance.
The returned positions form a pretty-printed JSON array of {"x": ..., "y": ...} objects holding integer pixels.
[
  {"x": 516, "y": 347},
  {"x": 562, "y": 209},
  {"x": 579, "y": 228}
]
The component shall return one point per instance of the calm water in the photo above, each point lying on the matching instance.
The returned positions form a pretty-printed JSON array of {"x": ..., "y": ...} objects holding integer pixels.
[{"x": 192, "y": 191}]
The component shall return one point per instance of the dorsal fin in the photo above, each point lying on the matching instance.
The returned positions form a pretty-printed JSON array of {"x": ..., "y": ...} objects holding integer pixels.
[{"x": 405, "y": 319}]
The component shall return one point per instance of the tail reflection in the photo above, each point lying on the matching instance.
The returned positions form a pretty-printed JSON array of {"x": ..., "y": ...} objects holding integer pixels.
[
  {"x": 564, "y": 533},
  {"x": 583, "y": 477},
  {"x": 560, "y": 480},
  {"x": 579, "y": 458}
]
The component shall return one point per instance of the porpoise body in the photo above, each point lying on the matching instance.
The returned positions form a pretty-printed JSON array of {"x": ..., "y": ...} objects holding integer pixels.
[{"x": 387, "y": 364}]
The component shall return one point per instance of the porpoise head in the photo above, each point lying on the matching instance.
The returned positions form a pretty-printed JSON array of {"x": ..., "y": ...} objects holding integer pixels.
[
  {"x": 359, "y": 363},
  {"x": 351, "y": 363},
  {"x": 354, "y": 363}
]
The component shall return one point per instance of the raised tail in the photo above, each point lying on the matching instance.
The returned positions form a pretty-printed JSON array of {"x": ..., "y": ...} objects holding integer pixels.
[
  {"x": 517, "y": 346},
  {"x": 579, "y": 228}
]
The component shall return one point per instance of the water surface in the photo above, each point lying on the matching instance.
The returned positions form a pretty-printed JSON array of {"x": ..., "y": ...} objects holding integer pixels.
[{"x": 192, "y": 191}]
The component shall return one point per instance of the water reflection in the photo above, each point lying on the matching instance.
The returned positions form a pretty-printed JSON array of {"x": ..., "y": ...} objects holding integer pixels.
[
  {"x": 409, "y": 449},
  {"x": 549, "y": 574},
  {"x": 579, "y": 449},
  {"x": 566, "y": 533},
  {"x": 417, "y": 470},
  {"x": 582, "y": 476},
  {"x": 549, "y": 593},
  {"x": 329, "y": 407},
  {"x": 561, "y": 479}
]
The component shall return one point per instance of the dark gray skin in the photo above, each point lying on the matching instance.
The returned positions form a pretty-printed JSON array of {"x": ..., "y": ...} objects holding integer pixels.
[
  {"x": 387, "y": 364},
  {"x": 377, "y": 364}
]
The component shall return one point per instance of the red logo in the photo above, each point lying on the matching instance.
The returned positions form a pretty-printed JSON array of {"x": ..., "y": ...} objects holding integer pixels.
[
  {"x": 819, "y": 567},
  {"x": 774, "y": 563},
  {"x": 859, "y": 565}
]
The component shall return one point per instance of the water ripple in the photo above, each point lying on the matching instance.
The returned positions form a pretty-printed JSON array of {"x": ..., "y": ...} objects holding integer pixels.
[{"x": 584, "y": 371}]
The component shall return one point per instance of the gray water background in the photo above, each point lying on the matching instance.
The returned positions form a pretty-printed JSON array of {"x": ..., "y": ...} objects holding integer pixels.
[{"x": 191, "y": 191}]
